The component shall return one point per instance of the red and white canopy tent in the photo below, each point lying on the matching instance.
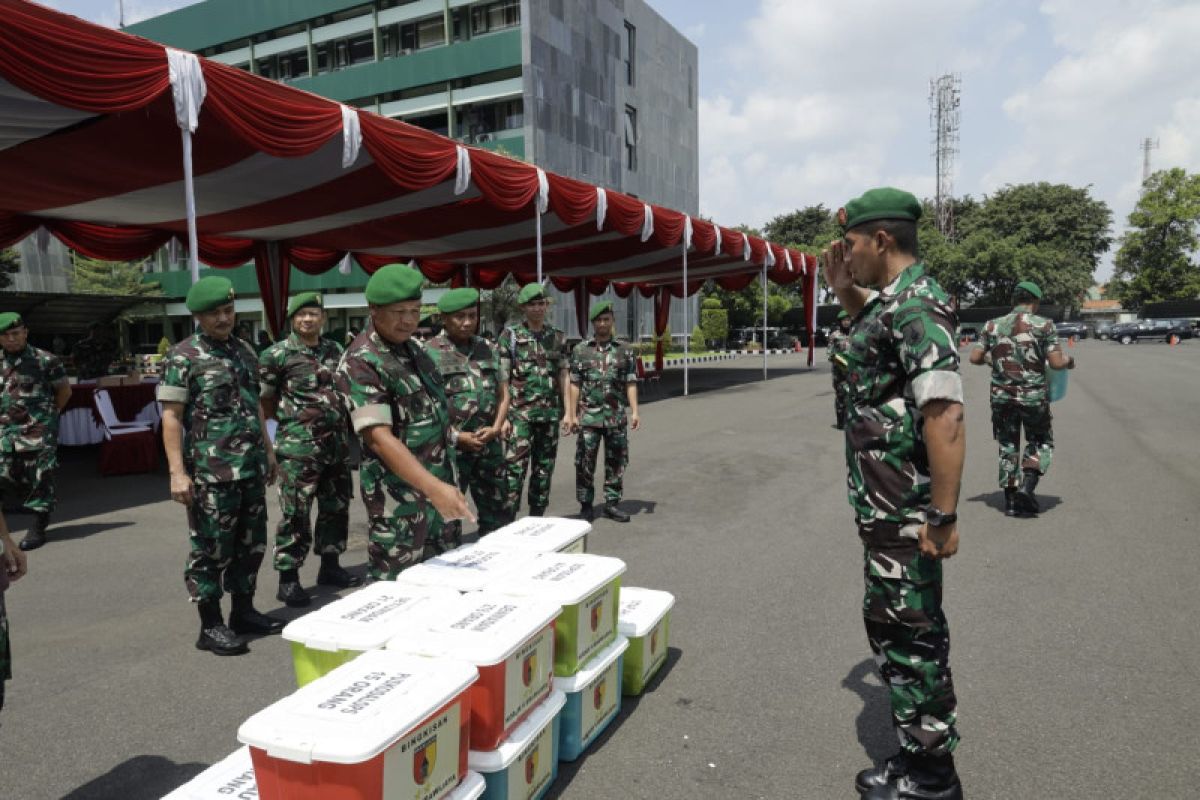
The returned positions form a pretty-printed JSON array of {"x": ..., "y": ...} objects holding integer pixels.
[{"x": 116, "y": 145}]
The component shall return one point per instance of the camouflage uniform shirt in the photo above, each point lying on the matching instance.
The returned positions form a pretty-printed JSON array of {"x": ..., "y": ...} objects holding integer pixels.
[
  {"x": 533, "y": 361},
  {"x": 28, "y": 414},
  {"x": 839, "y": 343},
  {"x": 1019, "y": 344},
  {"x": 311, "y": 416},
  {"x": 602, "y": 372},
  {"x": 218, "y": 384},
  {"x": 902, "y": 354},
  {"x": 472, "y": 376}
]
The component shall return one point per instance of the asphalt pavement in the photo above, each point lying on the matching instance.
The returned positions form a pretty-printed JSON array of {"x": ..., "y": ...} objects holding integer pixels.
[{"x": 1074, "y": 634}]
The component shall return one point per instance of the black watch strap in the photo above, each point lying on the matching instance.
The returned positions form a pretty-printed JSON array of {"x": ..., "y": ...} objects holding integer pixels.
[{"x": 937, "y": 518}]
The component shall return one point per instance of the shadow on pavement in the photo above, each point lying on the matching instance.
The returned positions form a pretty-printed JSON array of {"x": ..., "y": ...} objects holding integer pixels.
[
  {"x": 65, "y": 533},
  {"x": 995, "y": 500},
  {"x": 140, "y": 777},
  {"x": 874, "y": 723},
  {"x": 709, "y": 377}
]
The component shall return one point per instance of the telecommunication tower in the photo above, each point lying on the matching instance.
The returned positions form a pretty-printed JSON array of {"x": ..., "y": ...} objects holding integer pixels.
[
  {"x": 944, "y": 117},
  {"x": 1147, "y": 146}
]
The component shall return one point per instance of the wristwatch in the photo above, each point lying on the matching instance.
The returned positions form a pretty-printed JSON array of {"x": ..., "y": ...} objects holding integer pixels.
[
  {"x": 453, "y": 437},
  {"x": 937, "y": 518}
]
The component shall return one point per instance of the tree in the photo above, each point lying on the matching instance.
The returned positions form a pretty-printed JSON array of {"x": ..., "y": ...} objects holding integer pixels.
[
  {"x": 1157, "y": 260},
  {"x": 714, "y": 320},
  {"x": 93, "y": 276},
  {"x": 810, "y": 228},
  {"x": 10, "y": 264},
  {"x": 500, "y": 306},
  {"x": 697, "y": 344}
]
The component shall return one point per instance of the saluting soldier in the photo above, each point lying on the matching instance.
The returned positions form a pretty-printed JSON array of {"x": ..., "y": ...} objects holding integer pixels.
[
  {"x": 312, "y": 445},
  {"x": 221, "y": 461},
  {"x": 839, "y": 343},
  {"x": 1018, "y": 346},
  {"x": 905, "y": 444},
  {"x": 397, "y": 405},
  {"x": 602, "y": 408},
  {"x": 534, "y": 354},
  {"x": 477, "y": 393},
  {"x": 35, "y": 392}
]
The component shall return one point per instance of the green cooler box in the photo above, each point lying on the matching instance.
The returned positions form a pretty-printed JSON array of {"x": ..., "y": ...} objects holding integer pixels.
[{"x": 645, "y": 620}]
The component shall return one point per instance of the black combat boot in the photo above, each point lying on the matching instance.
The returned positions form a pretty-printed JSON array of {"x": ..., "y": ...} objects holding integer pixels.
[
  {"x": 1025, "y": 501},
  {"x": 924, "y": 778},
  {"x": 882, "y": 775},
  {"x": 36, "y": 536},
  {"x": 612, "y": 512},
  {"x": 587, "y": 512},
  {"x": 215, "y": 636},
  {"x": 290, "y": 592},
  {"x": 332, "y": 573},
  {"x": 538, "y": 511},
  {"x": 1010, "y": 501},
  {"x": 244, "y": 618}
]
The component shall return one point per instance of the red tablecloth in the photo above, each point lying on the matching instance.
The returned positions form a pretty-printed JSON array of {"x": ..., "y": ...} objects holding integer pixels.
[{"x": 129, "y": 453}]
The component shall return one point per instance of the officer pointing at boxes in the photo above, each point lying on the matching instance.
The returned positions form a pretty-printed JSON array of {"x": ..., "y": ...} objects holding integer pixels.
[
  {"x": 221, "y": 461},
  {"x": 312, "y": 444},
  {"x": 397, "y": 405},
  {"x": 905, "y": 445}
]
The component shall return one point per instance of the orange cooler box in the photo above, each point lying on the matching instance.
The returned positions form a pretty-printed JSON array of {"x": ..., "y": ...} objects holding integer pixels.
[
  {"x": 229, "y": 779},
  {"x": 543, "y": 535},
  {"x": 385, "y": 725},
  {"x": 511, "y": 642},
  {"x": 366, "y": 620},
  {"x": 587, "y": 587},
  {"x": 466, "y": 569}
]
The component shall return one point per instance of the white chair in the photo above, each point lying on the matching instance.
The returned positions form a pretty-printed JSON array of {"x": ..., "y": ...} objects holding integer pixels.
[{"x": 112, "y": 425}]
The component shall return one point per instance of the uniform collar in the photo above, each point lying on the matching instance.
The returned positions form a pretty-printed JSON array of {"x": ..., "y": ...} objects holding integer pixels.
[
  {"x": 228, "y": 344},
  {"x": 295, "y": 341},
  {"x": 906, "y": 278},
  {"x": 15, "y": 357},
  {"x": 593, "y": 342}
]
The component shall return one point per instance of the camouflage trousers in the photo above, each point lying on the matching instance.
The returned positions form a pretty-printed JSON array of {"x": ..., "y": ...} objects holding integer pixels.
[
  {"x": 5, "y": 650},
  {"x": 227, "y": 525},
  {"x": 840, "y": 398},
  {"x": 1007, "y": 421},
  {"x": 484, "y": 474},
  {"x": 616, "y": 458},
  {"x": 301, "y": 479},
  {"x": 29, "y": 476},
  {"x": 410, "y": 533},
  {"x": 532, "y": 448},
  {"x": 909, "y": 636}
]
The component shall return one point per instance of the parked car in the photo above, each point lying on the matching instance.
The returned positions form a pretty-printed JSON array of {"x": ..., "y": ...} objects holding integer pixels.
[
  {"x": 1161, "y": 329},
  {"x": 1102, "y": 329},
  {"x": 1069, "y": 328}
]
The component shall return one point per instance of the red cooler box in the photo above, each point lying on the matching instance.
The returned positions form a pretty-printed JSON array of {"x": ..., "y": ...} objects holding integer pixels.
[
  {"x": 509, "y": 639},
  {"x": 385, "y": 725}
]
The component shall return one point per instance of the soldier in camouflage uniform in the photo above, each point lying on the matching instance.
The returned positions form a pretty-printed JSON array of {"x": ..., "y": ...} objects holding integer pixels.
[
  {"x": 312, "y": 445},
  {"x": 603, "y": 383},
  {"x": 535, "y": 357},
  {"x": 397, "y": 405},
  {"x": 839, "y": 343},
  {"x": 35, "y": 391},
  {"x": 221, "y": 461},
  {"x": 904, "y": 449},
  {"x": 94, "y": 355},
  {"x": 12, "y": 567},
  {"x": 477, "y": 394},
  {"x": 1018, "y": 347}
]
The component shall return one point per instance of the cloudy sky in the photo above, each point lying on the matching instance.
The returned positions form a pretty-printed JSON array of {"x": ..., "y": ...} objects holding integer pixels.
[{"x": 812, "y": 101}]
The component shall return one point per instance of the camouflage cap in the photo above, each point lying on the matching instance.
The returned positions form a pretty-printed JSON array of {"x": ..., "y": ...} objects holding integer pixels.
[
  {"x": 1031, "y": 287},
  {"x": 530, "y": 292},
  {"x": 304, "y": 300},
  {"x": 600, "y": 308},
  {"x": 209, "y": 293},
  {"x": 393, "y": 284},
  {"x": 10, "y": 319},
  {"x": 457, "y": 300},
  {"x": 882, "y": 203}
]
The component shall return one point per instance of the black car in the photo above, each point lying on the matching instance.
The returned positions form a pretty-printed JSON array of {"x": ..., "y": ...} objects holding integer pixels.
[
  {"x": 1068, "y": 328},
  {"x": 1153, "y": 329}
]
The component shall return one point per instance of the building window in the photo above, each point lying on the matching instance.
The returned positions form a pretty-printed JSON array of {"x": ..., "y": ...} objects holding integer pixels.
[
  {"x": 631, "y": 138},
  {"x": 404, "y": 38},
  {"x": 436, "y": 122},
  {"x": 479, "y": 123},
  {"x": 489, "y": 17},
  {"x": 630, "y": 52}
]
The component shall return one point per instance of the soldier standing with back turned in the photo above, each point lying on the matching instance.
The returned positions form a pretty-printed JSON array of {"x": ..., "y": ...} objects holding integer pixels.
[
  {"x": 312, "y": 445},
  {"x": 839, "y": 343}
]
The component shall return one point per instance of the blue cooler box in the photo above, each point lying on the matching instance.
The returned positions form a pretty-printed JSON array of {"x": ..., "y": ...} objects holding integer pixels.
[
  {"x": 525, "y": 765},
  {"x": 593, "y": 700}
]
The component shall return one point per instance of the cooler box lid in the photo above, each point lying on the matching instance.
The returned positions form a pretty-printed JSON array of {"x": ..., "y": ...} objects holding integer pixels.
[
  {"x": 366, "y": 619},
  {"x": 227, "y": 778},
  {"x": 503, "y": 756},
  {"x": 540, "y": 534},
  {"x": 466, "y": 569},
  {"x": 602, "y": 661},
  {"x": 565, "y": 578},
  {"x": 471, "y": 787},
  {"x": 356, "y": 711},
  {"x": 641, "y": 609},
  {"x": 483, "y": 628}
]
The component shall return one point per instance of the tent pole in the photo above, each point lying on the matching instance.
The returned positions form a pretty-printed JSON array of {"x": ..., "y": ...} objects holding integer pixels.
[
  {"x": 764, "y": 324},
  {"x": 687, "y": 331},
  {"x": 538, "y": 219},
  {"x": 190, "y": 200}
]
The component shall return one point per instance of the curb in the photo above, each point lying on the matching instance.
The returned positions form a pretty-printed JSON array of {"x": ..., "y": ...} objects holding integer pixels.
[{"x": 675, "y": 361}]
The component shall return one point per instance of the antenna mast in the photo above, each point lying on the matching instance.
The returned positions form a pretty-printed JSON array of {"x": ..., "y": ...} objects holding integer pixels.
[{"x": 944, "y": 117}]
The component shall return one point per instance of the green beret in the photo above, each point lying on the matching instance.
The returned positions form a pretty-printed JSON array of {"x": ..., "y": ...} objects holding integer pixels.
[
  {"x": 209, "y": 293},
  {"x": 843, "y": 315},
  {"x": 883, "y": 203},
  {"x": 304, "y": 300},
  {"x": 457, "y": 300},
  {"x": 531, "y": 291},
  {"x": 10, "y": 319},
  {"x": 1030, "y": 287},
  {"x": 394, "y": 283},
  {"x": 600, "y": 308}
]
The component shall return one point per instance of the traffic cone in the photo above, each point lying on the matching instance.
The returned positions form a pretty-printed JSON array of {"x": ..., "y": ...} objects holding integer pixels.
[{"x": 1071, "y": 342}]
